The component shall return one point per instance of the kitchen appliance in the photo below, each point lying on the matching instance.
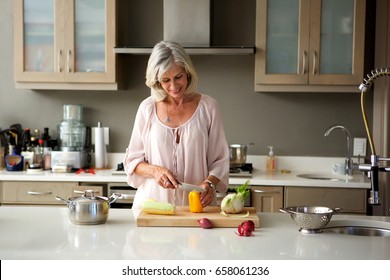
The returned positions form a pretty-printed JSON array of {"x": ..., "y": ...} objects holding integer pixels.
[
  {"x": 72, "y": 159},
  {"x": 244, "y": 171},
  {"x": 72, "y": 132},
  {"x": 120, "y": 170},
  {"x": 184, "y": 218},
  {"x": 127, "y": 194},
  {"x": 89, "y": 210},
  {"x": 72, "y": 139},
  {"x": 238, "y": 154},
  {"x": 187, "y": 22}
]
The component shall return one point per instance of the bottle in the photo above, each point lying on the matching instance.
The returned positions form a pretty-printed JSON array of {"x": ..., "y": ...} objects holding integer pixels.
[
  {"x": 46, "y": 155},
  {"x": 46, "y": 135},
  {"x": 38, "y": 154},
  {"x": 270, "y": 164},
  {"x": 26, "y": 140},
  {"x": 2, "y": 152}
]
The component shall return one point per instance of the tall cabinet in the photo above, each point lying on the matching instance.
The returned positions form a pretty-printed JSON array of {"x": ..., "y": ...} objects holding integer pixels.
[
  {"x": 309, "y": 45},
  {"x": 65, "y": 44}
]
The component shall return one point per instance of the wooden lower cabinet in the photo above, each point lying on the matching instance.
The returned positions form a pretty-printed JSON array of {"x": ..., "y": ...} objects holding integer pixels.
[
  {"x": 352, "y": 201},
  {"x": 266, "y": 198},
  {"x": 41, "y": 193}
]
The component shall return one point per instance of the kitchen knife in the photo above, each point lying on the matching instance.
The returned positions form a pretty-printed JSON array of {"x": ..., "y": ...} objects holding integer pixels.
[{"x": 190, "y": 187}]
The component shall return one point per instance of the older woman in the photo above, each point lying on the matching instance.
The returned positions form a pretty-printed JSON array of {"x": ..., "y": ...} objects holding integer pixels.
[{"x": 178, "y": 134}]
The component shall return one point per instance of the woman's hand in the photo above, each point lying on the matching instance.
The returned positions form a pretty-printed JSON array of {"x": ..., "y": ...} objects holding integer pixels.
[
  {"x": 165, "y": 178},
  {"x": 207, "y": 197}
]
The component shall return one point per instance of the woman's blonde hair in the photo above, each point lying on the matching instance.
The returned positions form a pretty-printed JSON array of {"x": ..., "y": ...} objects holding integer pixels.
[{"x": 163, "y": 56}]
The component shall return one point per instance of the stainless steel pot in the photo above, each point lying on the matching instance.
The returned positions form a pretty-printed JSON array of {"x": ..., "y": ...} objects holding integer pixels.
[
  {"x": 89, "y": 210},
  {"x": 238, "y": 154}
]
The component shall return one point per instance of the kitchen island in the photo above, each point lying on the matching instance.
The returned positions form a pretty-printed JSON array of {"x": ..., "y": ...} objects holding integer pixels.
[{"x": 46, "y": 233}]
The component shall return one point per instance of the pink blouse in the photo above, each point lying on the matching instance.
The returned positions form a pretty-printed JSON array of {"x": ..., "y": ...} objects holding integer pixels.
[{"x": 192, "y": 151}]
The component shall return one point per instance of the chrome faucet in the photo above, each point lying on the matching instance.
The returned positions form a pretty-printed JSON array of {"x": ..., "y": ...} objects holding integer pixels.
[
  {"x": 348, "y": 160},
  {"x": 373, "y": 168}
]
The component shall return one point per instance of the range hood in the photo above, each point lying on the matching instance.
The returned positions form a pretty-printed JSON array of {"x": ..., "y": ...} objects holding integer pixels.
[{"x": 187, "y": 22}]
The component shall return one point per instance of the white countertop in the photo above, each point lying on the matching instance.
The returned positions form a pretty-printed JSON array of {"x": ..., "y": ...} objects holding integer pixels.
[
  {"x": 47, "y": 233},
  {"x": 296, "y": 165}
]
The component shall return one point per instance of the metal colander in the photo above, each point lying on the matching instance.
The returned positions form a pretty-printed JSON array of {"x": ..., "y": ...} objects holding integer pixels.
[{"x": 310, "y": 219}]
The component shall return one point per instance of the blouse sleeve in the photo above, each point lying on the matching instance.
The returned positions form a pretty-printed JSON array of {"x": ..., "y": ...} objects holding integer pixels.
[
  {"x": 218, "y": 150},
  {"x": 135, "y": 152}
]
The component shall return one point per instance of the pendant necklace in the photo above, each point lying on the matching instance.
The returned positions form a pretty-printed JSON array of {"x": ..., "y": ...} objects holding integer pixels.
[{"x": 167, "y": 118}]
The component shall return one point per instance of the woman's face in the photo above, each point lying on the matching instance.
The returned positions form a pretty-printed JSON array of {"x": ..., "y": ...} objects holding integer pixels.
[{"x": 174, "y": 81}]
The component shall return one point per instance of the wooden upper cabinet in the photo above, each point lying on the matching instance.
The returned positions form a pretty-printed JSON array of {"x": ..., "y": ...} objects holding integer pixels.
[
  {"x": 65, "y": 44},
  {"x": 309, "y": 45}
]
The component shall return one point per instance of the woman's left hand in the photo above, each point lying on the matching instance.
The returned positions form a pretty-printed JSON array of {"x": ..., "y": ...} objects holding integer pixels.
[{"x": 207, "y": 197}]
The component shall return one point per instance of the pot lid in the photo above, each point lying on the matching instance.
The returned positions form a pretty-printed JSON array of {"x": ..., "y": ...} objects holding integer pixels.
[{"x": 85, "y": 198}]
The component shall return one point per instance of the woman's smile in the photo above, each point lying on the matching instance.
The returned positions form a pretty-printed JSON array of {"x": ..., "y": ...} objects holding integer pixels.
[{"x": 174, "y": 81}]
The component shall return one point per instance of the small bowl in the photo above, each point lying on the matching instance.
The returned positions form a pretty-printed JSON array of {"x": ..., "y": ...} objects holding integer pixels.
[{"x": 310, "y": 219}]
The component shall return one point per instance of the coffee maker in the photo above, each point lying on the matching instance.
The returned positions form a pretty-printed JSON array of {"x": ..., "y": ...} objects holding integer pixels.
[{"x": 72, "y": 139}]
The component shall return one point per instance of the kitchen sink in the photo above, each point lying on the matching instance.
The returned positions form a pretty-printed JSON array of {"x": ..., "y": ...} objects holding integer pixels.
[
  {"x": 359, "y": 230},
  {"x": 326, "y": 176},
  {"x": 360, "y": 227}
]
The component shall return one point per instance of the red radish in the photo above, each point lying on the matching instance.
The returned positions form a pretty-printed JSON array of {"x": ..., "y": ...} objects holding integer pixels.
[
  {"x": 246, "y": 228},
  {"x": 205, "y": 223},
  {"x": 249, "y": 225}
]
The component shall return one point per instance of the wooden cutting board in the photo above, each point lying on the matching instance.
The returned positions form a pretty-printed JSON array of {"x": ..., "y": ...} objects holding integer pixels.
[{"x": 184, "y": 218}]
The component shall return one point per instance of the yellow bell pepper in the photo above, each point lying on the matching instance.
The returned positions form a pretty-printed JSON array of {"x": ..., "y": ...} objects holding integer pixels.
[{"x": 195, "y": 202}]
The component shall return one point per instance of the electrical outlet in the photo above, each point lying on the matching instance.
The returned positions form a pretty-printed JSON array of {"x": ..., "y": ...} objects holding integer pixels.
[{"x": 359, "y": 147}]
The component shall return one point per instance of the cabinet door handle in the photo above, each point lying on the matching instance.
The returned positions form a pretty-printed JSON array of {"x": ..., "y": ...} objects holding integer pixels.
[
  {"x": 59, "y": 61},
  {"x": 314, "y": 62},
  {"x": 68, "y": 61},
  {"x": 304, "y": 63},
  {"x": 39, "y": 193},
  {"x": 265, "y": 192}
]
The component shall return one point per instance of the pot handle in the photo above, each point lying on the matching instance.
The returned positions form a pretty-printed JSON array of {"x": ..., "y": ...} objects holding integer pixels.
[
  {"x": 250, "y": 144},
  {"x": 63, "y": 200},
  {"x": 114, "y": 197}
]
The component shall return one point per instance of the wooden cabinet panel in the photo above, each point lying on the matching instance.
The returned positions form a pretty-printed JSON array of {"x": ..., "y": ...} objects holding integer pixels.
[
  {"x": 266, "y": 199},
  {"x": 35, "y": 192},
  {"x": 309, "y": 45},
  {"x": 350, "y": 200},
  {"x": 65, "y": 44}
]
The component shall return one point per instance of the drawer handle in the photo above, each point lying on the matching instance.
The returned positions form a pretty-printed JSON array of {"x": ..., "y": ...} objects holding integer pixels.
[
  {"x": 127, "y": 196},
  {"x": 38, "y": 193},
  {"x": 260, "y": 191}
]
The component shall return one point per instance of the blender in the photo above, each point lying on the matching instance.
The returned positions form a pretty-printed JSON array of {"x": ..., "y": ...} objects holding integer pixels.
[{"x": 72, "y": 140}]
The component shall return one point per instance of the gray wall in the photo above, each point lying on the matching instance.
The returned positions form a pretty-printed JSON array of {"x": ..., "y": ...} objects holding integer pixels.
[{"x": 294, "y": 123}]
